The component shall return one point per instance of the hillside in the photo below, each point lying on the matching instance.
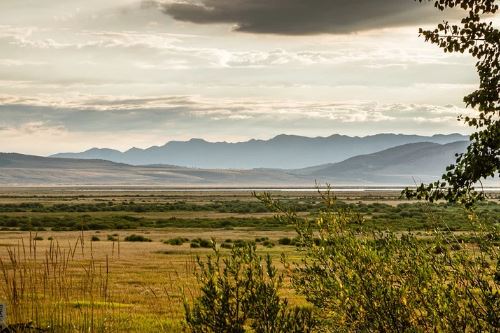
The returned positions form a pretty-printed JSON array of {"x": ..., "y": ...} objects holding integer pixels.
[
  {"x": 281, "y": 152},
  {"x": 400, "y": 165},
  {"x": 26, "y": 170},
  {"x": 20, "y": 161},
  {"x": 420, "y": 161}
]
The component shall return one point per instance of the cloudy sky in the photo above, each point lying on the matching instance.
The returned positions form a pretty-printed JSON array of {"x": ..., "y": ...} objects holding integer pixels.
[{"x": 76, "y": 74}]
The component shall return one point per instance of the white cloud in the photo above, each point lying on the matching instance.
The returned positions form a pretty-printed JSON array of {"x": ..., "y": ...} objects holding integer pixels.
[
  {"x": 130, "y": 108},
  {"x": 68, "y": 70},
  {"x": 59, "y": 124}
]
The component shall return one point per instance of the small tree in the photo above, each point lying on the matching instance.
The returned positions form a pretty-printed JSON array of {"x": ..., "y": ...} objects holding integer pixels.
[
  {"x": 482, "y": 158},
  {"x": 240, "y": 293}
]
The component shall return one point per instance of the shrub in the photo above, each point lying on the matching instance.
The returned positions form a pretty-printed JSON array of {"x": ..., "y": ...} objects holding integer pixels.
[
  {"x": 194, "y": 245},
  {"x": 360, "y": 281},
  {"x": 112, "y": 238},
  {"x": 95, "y": 238},
  {"x": 285, "y": 241},
  {"x": 38, "y": 238},
  {"x": 243, "y": 291},
  {"x": 226, "y": 245},
  {"x": 204, "y": 243},
  {"x": 176, "y": 241},
  {"x": 268, "y": 244},
  {"x": 137, "y": 238},
  {"x": 242, "y": 243}
]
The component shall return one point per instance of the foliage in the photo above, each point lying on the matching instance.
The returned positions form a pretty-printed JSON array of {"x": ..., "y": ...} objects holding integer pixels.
[
  {"x": 111, "y": 238},
  {"x": 240, "y": 293},
  {"x": 137, "y": 238},
  {"x": 379, "y": 215},
  {"x": 361, "y": 281},
  {"x": 203, "y": 243},
  {"x": 482, "y": 158},
  {"x": 284, "y": 241},
  {"x": 176, "y": 241},
  {"x": 230, "y": 206},
  {"x": 226, "y": 245}
]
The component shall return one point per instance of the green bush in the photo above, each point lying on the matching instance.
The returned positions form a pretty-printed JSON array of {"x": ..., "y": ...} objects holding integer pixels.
[
  {"x": 226, "y": 245},
  {"x": 268, "y": 244},
  {"x": 242, "y": 292},
  {"x": 285, "y": 241},
  {"x": 95, "y": 238},
  {"x": 404, "y": 217},
  {"x": 176, "y": 241},
  {"x": 243, "y": 243},
  {"x": 137, "y": 238},
  {"x": 204, "y": 243},
  {"x": 365, "y": 281}
]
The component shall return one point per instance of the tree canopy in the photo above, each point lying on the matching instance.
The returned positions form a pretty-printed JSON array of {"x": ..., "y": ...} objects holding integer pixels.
[{"x": 477, "y": 35}]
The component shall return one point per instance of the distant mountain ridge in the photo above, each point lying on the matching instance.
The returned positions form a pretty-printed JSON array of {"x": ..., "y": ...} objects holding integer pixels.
[
  {"x": 396, "y": 166},
  {"x": 281, "y": 152},
  {"x": 421, "y": 162}
]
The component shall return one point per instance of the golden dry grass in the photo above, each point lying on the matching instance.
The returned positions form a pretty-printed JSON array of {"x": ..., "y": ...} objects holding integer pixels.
[{"x": 146, "y": 283}]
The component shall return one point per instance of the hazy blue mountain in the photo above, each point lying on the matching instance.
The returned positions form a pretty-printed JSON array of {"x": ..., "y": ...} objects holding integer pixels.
[
  {"x": 399, "y": 165},
  {"x": 282, "y": 151},
  {"x": 20, "y": 161},
  {"x": 26, "y": 170}
]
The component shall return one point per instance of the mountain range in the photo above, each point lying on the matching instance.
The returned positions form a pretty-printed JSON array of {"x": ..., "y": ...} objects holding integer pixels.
[
  {"x": 401, "y": 165},
  {"x": 281, "y": 152}
]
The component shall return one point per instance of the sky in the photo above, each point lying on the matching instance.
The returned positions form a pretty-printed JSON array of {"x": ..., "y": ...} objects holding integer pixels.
[{"x": 122, "y": 73}]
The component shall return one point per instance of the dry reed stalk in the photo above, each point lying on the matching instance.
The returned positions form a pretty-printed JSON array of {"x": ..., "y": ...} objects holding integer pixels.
[{"x": 55, "y": 288}]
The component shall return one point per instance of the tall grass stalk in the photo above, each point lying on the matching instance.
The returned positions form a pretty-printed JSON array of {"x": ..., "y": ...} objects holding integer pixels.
[{"x": 57, "y": 289}]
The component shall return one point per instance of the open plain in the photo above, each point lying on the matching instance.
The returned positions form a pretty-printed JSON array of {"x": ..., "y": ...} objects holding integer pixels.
[{"x": 133, "y": 251}]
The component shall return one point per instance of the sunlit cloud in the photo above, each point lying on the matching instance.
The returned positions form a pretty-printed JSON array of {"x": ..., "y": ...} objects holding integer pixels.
[{"x": 120, "y": 73}]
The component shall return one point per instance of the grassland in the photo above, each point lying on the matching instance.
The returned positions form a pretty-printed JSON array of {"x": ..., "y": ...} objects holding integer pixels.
[{"x": 145, "y": 281}]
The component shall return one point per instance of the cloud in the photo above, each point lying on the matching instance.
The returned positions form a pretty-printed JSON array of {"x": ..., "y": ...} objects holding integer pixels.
[
  {"x": 85, "y": 121},
  {"x": 303, "y": 17},
  {"x": 89, "y": 113}
]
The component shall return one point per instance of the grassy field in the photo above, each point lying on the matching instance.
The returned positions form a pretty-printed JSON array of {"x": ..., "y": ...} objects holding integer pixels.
[{"x": 71, "y": 245}]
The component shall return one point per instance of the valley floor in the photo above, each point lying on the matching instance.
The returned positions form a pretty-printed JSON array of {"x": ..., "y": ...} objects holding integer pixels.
[{"x": 76, "y": 263}]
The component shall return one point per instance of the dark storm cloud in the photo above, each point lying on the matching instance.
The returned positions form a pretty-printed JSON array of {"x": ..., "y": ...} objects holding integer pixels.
[{"x": 304, "y": 17}]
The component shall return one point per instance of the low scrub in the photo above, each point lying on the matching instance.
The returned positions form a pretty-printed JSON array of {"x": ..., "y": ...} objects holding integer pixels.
[
  {"x": 242, "y": 292},
  {"x": 176, "y": 241},
  {"x": 203, "y": 243},
  {"x": 354, "y": 279},
  {"x": 358, "y": 280},
  {"x": 137, "y": 238}
]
